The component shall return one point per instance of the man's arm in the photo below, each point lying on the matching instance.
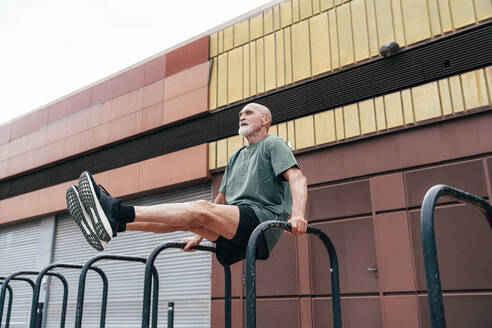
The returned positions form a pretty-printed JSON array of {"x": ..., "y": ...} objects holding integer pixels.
[
  {"x": 220, "y": 199},
  {"x": 298, "y": 189}
]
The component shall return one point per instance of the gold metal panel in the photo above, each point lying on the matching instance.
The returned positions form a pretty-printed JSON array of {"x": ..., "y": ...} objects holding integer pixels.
[
  {"x": 222, "y": 80},
  {"x": 295, "y": 11},
  {"x": 252, "y": 68},
  {"x": 305, "y": 9},
  {"x": 214, "y": 43},
  {"x": 434, "y": 17},
  {"x": 445, "y": 15},
  {"x": 426, "y": 101},
  {"x": 320, "y": 43},
  {"x": 324, "y": 127},
  {"x": 282, "y": 131},
  {"x": 372, "y": 27},
  {"x": 367, "y": 116},
  {"x": 398, "y": 22},
  {"x": 273, "y": 130},
  {"x": 326, "y": 4},
  {"x": 268, "y": 21},
  {"x": 488, "y": 73},
  {"x": 235, "y": 74},
  {"x": 212, "y": 97},
  {"x": 256, "y": 26},
  {"x": 394, "y": 111},
  {"x": 483, "y": 8},
  {"x": 380, "y": 115},
  {"x": 246, "y": 72},
  {"x": 276, "y": 18},
  {"x": 220, "y": 42},
  {"x": 456, "y": 94},
  {"x": 288, "y": 55},
  {"x": 260, "y": 66},
  {"x": 345, "y": 35},
  {"x": 445, "y": 96},
  {"x": 351, "y": 120},
  {"x": 280, "y": 56},
  {"x": 474, "y": 89},
  {"x": 285, "y": 14},
  {"x": 339, "y": 128},
  {"x": 332, "y": 22},
  {"x": 221, "y": 153},
  {"x": 228, "y": 38},
  {"x": 384, "y": 21},
  {"x": 462, "y": 12},
  {"x": 291, "y": 135},
  {"x": 212, "y": 155},
  {"x": 300, "y": 51},
  {"x": 304, "y": 132},
  {"x": 417, "y": 26},
  {"x": 234, "y": 144},
  {"x": 316, "y": 7},
  {"x": 241, "y": 33},
  {"x": 359, "y": 24},
  {"x": 406, "y": 97},
  {"x": 270, "y": 74},
  {"x": 338, "y": 2}
]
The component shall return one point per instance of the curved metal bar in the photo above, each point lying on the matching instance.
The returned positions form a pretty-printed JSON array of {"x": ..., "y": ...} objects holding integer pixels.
[
  {"x": 37, "y": 288},
  {"x": 150, "y": 263},
  {"x": 9, "y": 306},
  {"x": 83, "y": 275},
  {"x": 429, "y": 243},
  {"x": 251, "y": 271}
]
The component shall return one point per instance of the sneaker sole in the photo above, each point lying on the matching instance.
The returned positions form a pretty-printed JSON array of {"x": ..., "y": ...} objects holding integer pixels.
[
  {"x": 102, "y": 227},
  {"x": 82, "y": 218}
]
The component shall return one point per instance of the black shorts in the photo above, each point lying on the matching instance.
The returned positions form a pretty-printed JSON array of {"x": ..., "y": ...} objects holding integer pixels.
[{"x": 230, "y": 251}]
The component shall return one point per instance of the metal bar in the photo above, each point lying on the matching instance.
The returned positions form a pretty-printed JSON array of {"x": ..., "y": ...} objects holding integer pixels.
[
  {"x": 39, "y": 316},
  {"x": 227, "y": 296},
  {"x": 9, "y": 306},
  {"x": 5, "y": 284},
  {"x": 170, "y": 315},
  {"x": 429, "y": 243},
  {"x": 83, "y": 275},
  {"x": 251, "y": 271}
]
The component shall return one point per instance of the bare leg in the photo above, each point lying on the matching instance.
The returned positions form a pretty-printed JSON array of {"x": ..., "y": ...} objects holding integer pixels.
[{"x": 164, "y": 228}]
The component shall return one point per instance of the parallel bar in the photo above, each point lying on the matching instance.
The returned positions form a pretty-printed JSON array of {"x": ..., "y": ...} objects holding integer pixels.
[{"x": 9, "y": 306}]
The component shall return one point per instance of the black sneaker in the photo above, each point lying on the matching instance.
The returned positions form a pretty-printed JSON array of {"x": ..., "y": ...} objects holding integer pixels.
[
  {"x": 82, "y": 218},
  {"x": 99, "y": 204}
]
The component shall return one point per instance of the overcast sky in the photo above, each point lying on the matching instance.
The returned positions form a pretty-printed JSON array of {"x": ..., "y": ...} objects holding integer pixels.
[{"x": 49, "y": 48}]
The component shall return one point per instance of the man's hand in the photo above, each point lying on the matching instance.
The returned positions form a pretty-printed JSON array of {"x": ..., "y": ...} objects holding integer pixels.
[
  {"x": 299, "y": 225},
  {"x": 191, "y": 242}
]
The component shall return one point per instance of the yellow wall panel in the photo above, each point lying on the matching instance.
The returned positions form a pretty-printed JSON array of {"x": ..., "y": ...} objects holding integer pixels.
[
  {"x": 252, "y": 68},
  {"x": 351, "y": 120},
  {"x": 288, "y": 55},
  {"x": 488, "y": 73},
  {"x": 220, "y": 42},
  {"x": 372, "y": 27},
  {"x": 212, "y": 155},
  {"x": 241, "y": 33},
  {"x": 295, "y": 11},
  {"x": 483, "y": 8},
  {"x": 291, "y": 135},
  {"x": 339, "y": 126},
  {"x": 273, "y": 130},
  {"x": 456, "y": 94},
  {"x": 406, "y": 98},
  {"x": 270, "y": 74},
  {"x": 268, "y": 21},
  {"x": 212, "y": 98},
  {"x": 300, "y": 51},
  {"x": 417, "y": 26},
  {"x": 394, "y": 110},
  {"x": 338, "y": 2},
  {"x": 235, "y": 74},
  {"x": 380, "y": 116},
  {"x": 228, "y": 38},
  {"x": 474, "y": 89},
  {"x": 304, "y": 132},
  {"x": 324, "y": 127},
  {"x": 246, "y": 71},
  {"x": 222, "y": 80},
  {"x": 359, "y": 24},
  {"x": 326, "y": 4},
  {"x": 445, "y": 15},
  {"x": 256, "y": 26},
  {"x": 276, "y": 18},
  {"x": 285, "y": 13},
  {"x": 426, "y": 101},
  {"x": 384, "y": 21},
  {"x": 367, "y": 116},
  {"x": 316, "y": 7},
  {"x": 398, "y": 22},
  {"x": 462, "y": 12},
  {"x": 320, "y": 43},
  {"x": 445, "y": 96},
  {"x": 305, "y": 8},
  {"x": 213, "y": 45},
  {"x": 280, "y": 57},
  {"x": 222, "y": 153},
  {"x": 345, "y": 34},
  {"x": 260, "y": 66},
  {"x": 335, "y": 55},
  {"x": 282, "y": 130},
  {"x": 234, "y": 144},
  {"x": 434, "y": 17}
]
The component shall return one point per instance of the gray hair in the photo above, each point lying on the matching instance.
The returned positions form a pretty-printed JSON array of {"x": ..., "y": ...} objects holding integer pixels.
[{"x": 263, "y": 110}]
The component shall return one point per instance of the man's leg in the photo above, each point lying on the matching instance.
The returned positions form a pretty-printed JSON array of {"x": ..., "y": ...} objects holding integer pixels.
[{"x": 164, "y": 228}]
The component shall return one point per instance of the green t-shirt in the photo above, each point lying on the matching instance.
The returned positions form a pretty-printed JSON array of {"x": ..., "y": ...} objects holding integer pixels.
[{"x": 254, "y": 177}]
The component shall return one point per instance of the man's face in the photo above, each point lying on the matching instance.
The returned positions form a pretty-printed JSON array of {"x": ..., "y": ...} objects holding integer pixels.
[{"x": 250, "y": 121}]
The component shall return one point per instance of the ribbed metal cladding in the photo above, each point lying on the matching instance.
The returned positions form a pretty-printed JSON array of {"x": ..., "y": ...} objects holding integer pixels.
[
  {"x": 18, "y": 251},
  {"x": 184, "y": 277}
]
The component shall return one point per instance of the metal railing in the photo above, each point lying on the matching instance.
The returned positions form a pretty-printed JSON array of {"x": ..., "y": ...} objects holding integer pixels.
[
  {"x": 431, "y": 263},
  {"x": 251, "y": 271},
  {"x": 9, "y": 306}
]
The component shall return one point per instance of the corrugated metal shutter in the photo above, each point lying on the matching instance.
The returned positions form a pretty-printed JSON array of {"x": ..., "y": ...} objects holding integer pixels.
[
  {"x": 184, "y": 278},
  {"x": 18, "y": 251}
]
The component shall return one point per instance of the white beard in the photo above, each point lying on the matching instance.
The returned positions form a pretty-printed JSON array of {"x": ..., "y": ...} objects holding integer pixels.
[{"x": 245, "y": 130}]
